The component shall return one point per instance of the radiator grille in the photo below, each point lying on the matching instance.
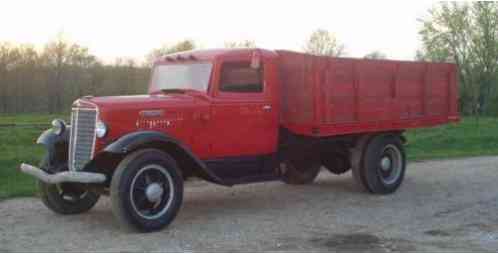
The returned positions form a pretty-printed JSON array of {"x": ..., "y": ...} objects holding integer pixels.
[{"x": 82, "y": 137}]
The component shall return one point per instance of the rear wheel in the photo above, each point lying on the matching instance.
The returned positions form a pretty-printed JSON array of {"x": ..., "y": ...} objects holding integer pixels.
[
  {"x": 336, "y": 163},
  {"x": 382, "y": 166},
  {"x": 300, "y": 171},
  {"x": 146, "y": 190},
  {"x": 65, "y": 198}
]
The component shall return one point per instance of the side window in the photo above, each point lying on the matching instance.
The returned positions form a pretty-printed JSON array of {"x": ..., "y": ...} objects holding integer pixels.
[{"x": 239, "y": 77}]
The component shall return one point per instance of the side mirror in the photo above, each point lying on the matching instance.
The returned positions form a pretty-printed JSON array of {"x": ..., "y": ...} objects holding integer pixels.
[{"x": 256, "y": 60}]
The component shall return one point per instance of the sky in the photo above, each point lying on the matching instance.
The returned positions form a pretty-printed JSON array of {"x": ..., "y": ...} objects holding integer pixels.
[{"x": 113, "y": 29}]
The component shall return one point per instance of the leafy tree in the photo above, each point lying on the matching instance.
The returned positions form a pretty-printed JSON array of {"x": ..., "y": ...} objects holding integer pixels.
[
  {"x": 466, "y": 34},
  {"x": 322, "y": 42}
]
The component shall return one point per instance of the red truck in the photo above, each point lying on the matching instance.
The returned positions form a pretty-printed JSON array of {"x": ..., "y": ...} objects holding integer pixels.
[{"x": 237, "y": 116}]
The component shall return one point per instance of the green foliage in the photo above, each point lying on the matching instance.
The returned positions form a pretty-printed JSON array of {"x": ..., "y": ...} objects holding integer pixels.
[
  {"x": 470, "y": 137},
  {"x": 322, "y": 42},
  {"x": 466, "y": 34},
  {"x": 17, "y": 146},
  {"x": 31, "y": 119}
]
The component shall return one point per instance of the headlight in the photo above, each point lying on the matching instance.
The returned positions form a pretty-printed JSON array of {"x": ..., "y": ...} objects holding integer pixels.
[
  {"x": 58, "y": 126},
  {"x": 100, "y": 129}
]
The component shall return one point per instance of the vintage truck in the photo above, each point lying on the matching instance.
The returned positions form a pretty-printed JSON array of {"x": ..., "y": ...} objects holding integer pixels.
[{"x": 237, "y": 116}]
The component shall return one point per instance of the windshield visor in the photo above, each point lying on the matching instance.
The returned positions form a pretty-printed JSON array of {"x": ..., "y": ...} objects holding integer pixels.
[{"x": 181, "y": 76}]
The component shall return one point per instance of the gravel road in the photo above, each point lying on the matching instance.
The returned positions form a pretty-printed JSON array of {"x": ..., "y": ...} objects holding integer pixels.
[{"x": 449, "y": 205}]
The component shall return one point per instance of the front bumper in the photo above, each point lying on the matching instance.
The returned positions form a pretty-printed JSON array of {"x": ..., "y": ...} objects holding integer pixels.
[{"x": 66, "y": 176}]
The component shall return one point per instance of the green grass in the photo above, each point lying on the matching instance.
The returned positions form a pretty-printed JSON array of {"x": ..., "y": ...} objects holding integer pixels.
[
  {"x": 467, "y": 138},
  {"x": 30, "y": 118},
  {"x": 17, "y": 145}
]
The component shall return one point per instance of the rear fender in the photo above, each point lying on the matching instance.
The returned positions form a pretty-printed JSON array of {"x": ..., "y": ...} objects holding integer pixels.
[{"x": 147, "y": 139}]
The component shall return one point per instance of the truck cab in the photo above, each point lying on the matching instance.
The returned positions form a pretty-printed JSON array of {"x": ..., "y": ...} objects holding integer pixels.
[
  {"x": 222, "y": 106},
  {"x": 235, "y": 110}
]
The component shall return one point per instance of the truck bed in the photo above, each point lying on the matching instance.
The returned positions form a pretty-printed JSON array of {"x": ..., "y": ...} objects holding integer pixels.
[{"x": 327, "y": 96}]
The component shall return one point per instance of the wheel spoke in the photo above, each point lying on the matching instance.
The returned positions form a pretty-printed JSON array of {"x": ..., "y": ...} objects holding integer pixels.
[
  {"x": 138, "y": 192},
  {"x": 154, "y": 176},
  {"x": 69, "y": 197},
  {"x": 141, "y": 201},
  {"x": 147, "y": 179}
]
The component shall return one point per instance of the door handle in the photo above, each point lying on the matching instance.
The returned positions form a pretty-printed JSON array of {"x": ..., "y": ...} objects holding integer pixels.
[{"x": 267, "y": 107}]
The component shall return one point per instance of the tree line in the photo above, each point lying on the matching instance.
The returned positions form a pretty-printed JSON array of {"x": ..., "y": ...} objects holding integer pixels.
[{"x": 48, "y": 80}]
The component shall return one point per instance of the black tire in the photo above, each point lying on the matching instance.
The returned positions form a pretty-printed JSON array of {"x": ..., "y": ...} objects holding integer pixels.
[
  {"x": 382, "y": 166},
  {"x": 302, "y": 171},
  {"x": 65, "y": 198},
  {"x": 139, "y": 172},
  {"x": 336, "y": 163}
]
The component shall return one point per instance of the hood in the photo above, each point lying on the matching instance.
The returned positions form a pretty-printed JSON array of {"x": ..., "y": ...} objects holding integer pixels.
[
  {"x": 125, "y": 114},
  {"x": 141, "y": 101}
]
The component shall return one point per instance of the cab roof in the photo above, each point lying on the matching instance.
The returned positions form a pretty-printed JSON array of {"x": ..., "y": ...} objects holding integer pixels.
[{"x": 211, "y": 54}]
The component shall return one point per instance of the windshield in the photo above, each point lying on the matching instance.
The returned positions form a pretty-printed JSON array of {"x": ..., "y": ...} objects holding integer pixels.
[{"x": 181, "y": 76}]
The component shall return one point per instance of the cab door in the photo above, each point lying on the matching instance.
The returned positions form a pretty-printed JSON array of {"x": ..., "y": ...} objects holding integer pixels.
[{"x": 244, "y": 121}]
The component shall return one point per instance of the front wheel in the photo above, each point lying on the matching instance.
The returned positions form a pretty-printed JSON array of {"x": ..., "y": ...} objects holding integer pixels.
[{"x": 146, "y": 190}]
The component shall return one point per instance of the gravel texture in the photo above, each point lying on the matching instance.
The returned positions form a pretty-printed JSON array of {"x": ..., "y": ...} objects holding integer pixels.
[{"x": 449, "y": 205}]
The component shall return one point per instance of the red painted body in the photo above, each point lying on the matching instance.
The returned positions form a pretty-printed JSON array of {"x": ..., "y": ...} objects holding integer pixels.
[
  {"x": 308, "y": 95},
  {"x": 326, "y": 96}
]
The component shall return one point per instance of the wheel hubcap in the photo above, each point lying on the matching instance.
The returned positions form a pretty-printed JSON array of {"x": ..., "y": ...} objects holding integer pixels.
[
  {"x": 391, "y": 164},
  {"x": 154, "y": 192},
  {"x": 385, "y": 163}
]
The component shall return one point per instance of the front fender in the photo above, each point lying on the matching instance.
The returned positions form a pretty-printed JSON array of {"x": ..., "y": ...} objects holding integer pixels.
[
  {"x": 143, "y": 139},
  {"x": 49, "y": 138},
  {"x": 56, "y": 145},
  {"x": 132, "y": 141}
]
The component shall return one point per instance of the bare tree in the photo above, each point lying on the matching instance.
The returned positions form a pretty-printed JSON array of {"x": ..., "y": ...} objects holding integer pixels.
[
  {"x": 6, "y": 62},
  {"x": 375, "y": 55},
  {"x": 322, "y": 42},
  {"x": 184, "y": 45},
  {"x": 240, "y": 44},
  {"x": 49, "y": 80}
]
